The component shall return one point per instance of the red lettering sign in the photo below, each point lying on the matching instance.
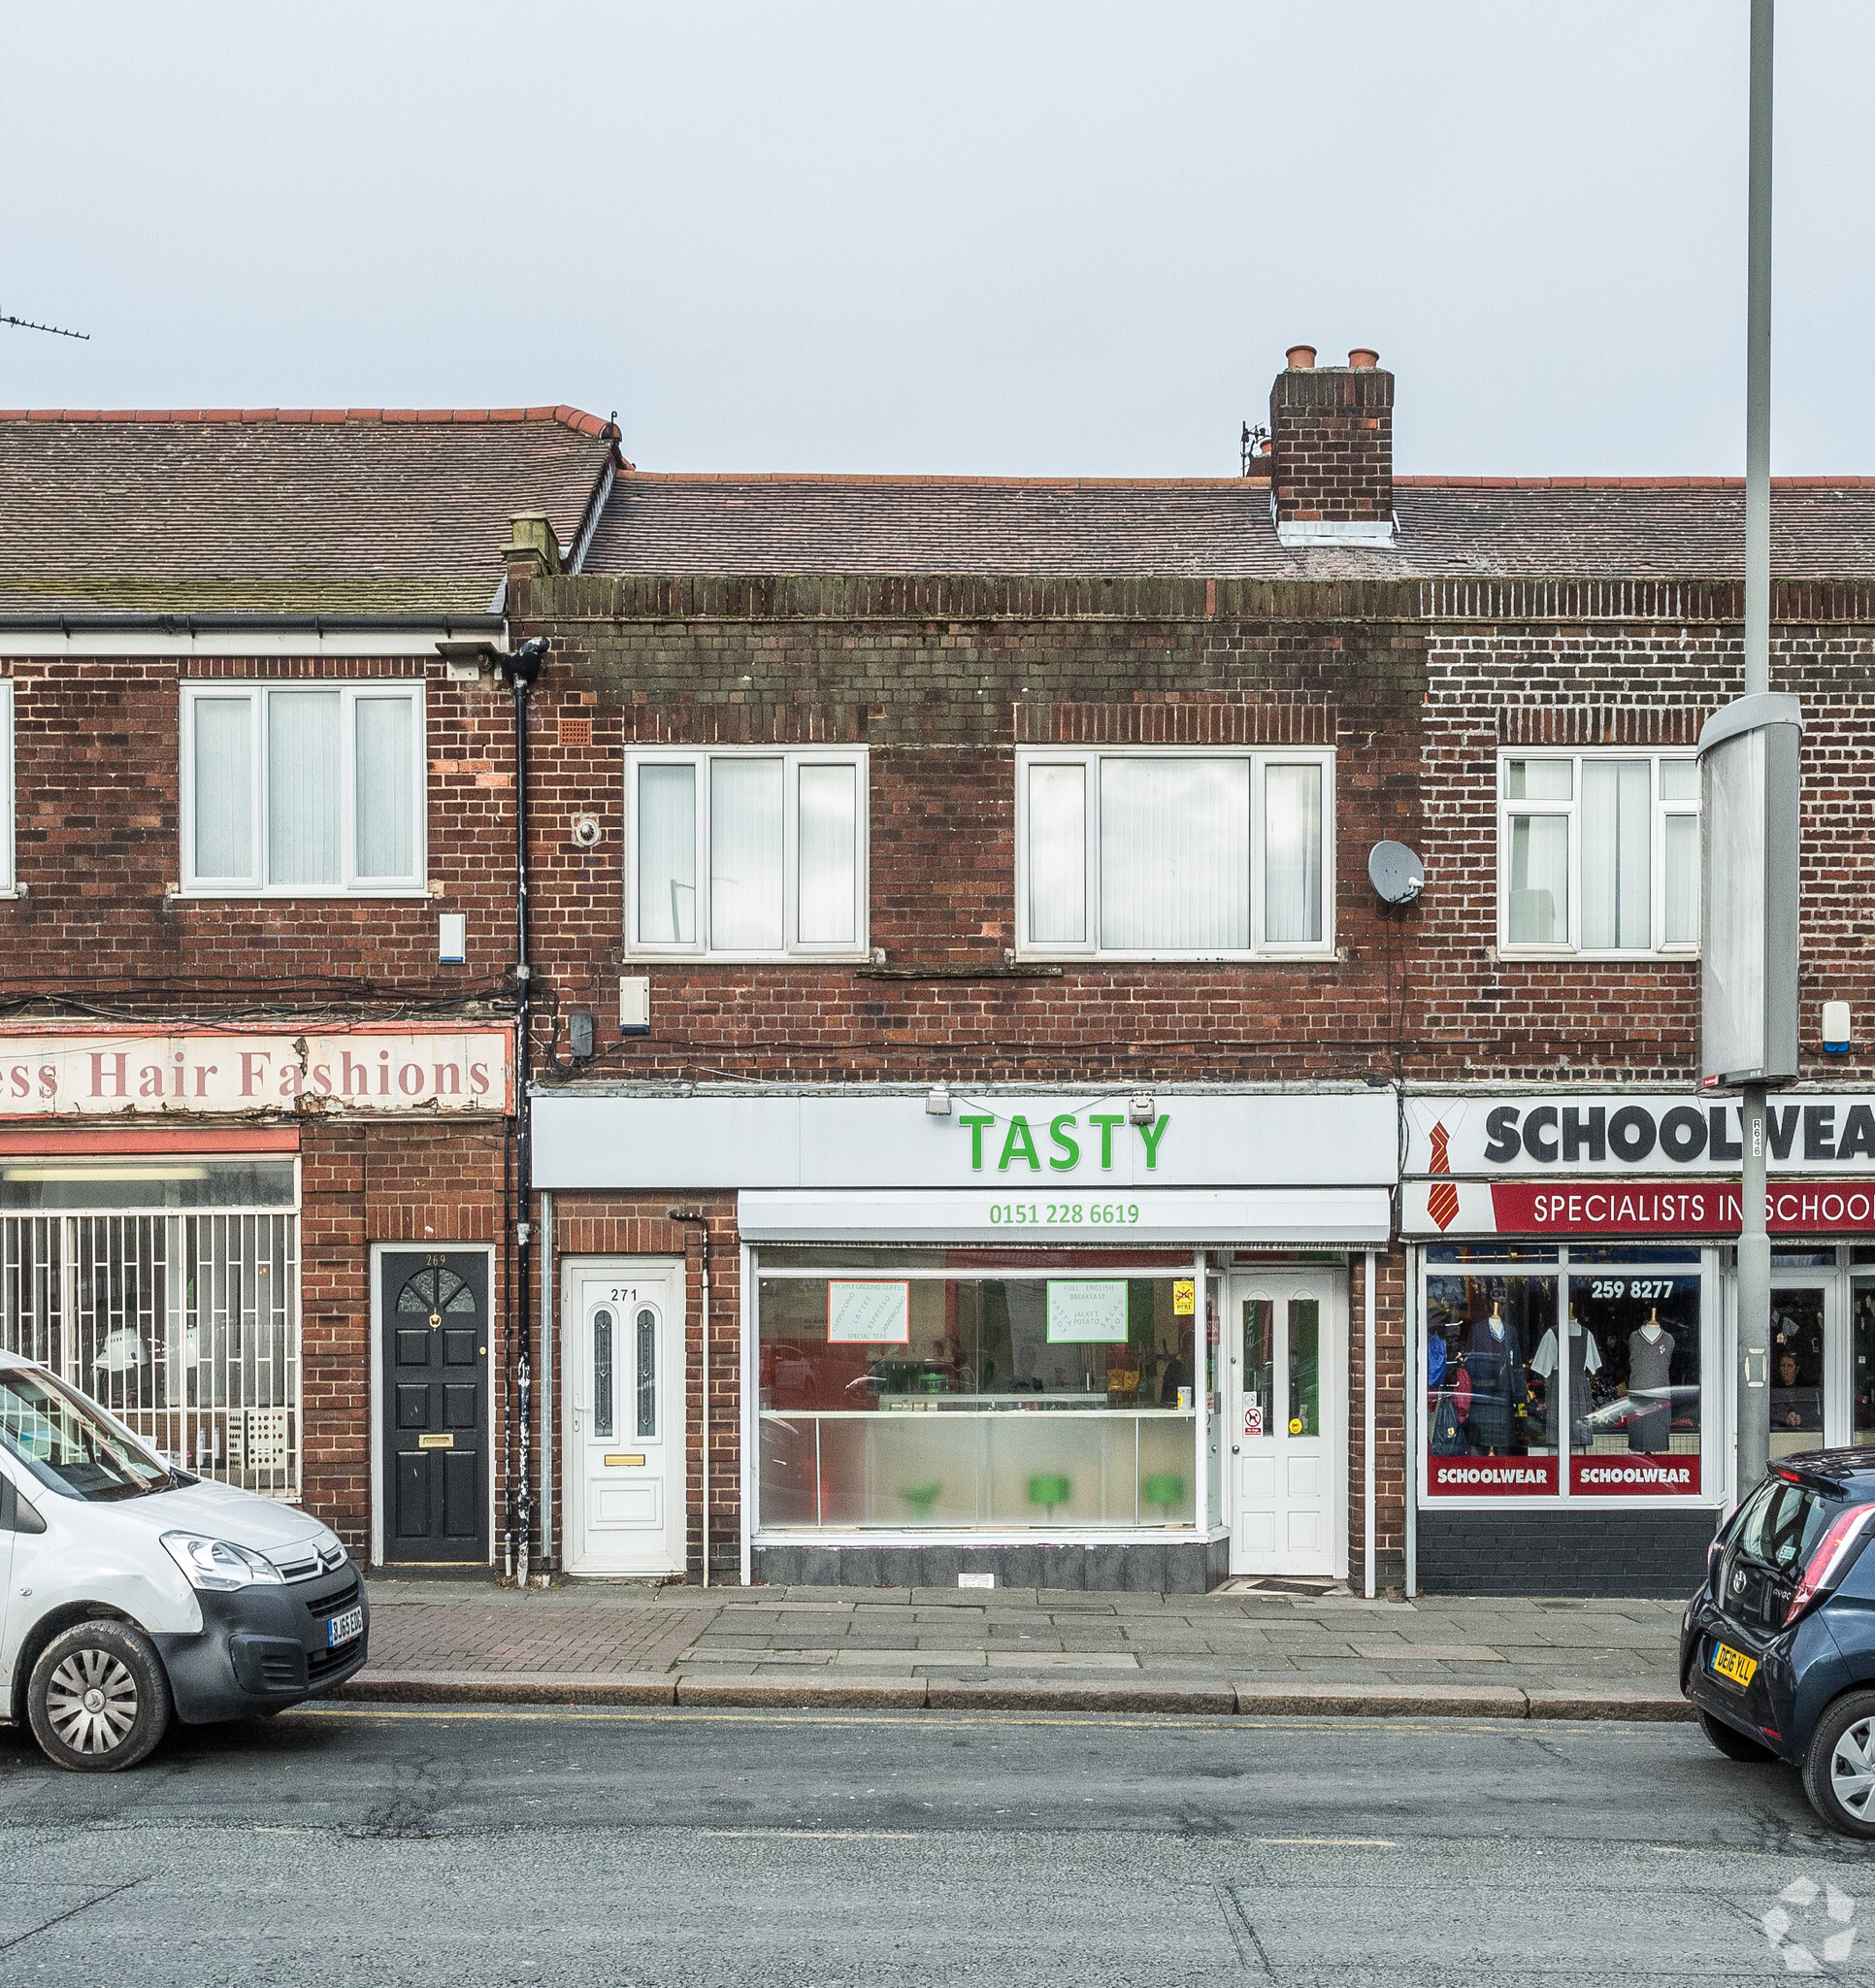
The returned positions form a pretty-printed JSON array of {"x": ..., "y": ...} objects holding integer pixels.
[
  {"x": 1624, "y": 1208},
  {"x": 1491, "y": 1476},
  {"x": 1635, "y": 1476}
]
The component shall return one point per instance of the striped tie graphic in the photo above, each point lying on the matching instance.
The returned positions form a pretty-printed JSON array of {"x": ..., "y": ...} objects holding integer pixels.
[{"x": 1442, "y": 1198}]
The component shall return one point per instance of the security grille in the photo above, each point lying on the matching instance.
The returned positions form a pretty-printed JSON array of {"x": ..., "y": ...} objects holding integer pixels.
[{"x": 185, "y": 1327}]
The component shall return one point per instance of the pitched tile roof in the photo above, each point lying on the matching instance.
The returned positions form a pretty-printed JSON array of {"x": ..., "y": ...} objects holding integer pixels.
[
  {"x": 1685, "y": 527},
  {"x": 282, "y": 511}
]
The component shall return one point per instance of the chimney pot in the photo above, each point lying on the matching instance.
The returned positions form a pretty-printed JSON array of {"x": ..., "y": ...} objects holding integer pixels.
[
  {"x": 1299, "y": 359},
  {"x": 1363, "y": 357}
]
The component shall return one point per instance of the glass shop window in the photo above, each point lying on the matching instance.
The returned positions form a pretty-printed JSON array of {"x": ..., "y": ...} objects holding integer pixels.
[
  {"x": 1491, "y": 1409},
  {"x": 1001, "y": 1402},
  {"x": 1634, "y": 1383}
]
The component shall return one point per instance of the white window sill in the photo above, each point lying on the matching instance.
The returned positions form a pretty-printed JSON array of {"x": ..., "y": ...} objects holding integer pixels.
[
  {"x": 403, "y": 893},
  {"x": 1559, "y": 955},
  {"x": 1316, "y": 955},
  {"x": 647, "y": 957}
]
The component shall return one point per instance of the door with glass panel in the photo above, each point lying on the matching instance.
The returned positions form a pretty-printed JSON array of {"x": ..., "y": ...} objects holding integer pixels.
[
  {"x": 1286, "y": 1425},
  {"x": 1808, "y": 1408},
  {"x": 625, "y": 1473}
]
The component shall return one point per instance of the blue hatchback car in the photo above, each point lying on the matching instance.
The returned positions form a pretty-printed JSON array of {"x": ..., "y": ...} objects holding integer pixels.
[{"x": 1777, "y": 1650}]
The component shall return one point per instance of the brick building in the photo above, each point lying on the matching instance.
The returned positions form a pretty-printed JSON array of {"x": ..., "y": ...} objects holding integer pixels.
[
  {"x": 986, "y": 1119},
  {"x": 901, "y": 830},
  {"x": 258, "y": 903}
]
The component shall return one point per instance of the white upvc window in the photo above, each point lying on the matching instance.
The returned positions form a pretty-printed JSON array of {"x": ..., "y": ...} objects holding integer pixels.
[
  {"x": 1598, "y": 854},
  {"x": 6, "y": 870},
  {"x": 307, "y": 789},
  {"x": 1179, "y": 852},
  {"x": 747, "y": 853}
]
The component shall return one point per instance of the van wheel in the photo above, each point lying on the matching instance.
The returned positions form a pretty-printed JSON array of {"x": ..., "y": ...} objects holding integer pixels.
[
  {"x": 97, "y": 1697},
  {"x": 1839, "y": 1764},
  {"x": 1732, "y": 1743}
]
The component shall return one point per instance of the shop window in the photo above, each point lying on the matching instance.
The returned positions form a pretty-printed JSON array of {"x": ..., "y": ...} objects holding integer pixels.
[
  {"x": 747, "y": 855},
  {"x": 1598, "y": 853},
  {"x": 902, "y": 1404},
  {"x": 1585, "y": 1384},
  {"x": 305, "y": 789},
  {"x": 1174, "y": 854}
]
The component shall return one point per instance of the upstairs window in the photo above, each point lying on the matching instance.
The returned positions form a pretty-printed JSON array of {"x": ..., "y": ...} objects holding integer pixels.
[
  {"x": 1598, "y": 853},
  {"x": 746, "y": 854},
  {"x": 1174, "y": 854},
  {"x": 304, "y": 789}
]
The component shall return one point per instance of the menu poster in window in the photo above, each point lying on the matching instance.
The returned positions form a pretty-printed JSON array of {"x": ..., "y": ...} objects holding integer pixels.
[
  {"x": 871, "y": 1314},
  {"x": 1087, "y": 1310}
]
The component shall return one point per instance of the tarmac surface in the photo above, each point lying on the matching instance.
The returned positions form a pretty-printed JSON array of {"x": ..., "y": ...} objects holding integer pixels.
[{"x": 622, "y": 1845}]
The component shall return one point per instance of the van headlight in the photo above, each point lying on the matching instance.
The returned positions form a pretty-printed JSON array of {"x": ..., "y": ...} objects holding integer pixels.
[{"x": 219, "y": 1564}]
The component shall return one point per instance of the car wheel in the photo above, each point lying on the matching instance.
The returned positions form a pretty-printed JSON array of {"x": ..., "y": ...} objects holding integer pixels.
[
  {"x": 1732, "y": 1743},
  {"x": 1839, "y": 1764},
  {"x": 98, "y": 1698}
]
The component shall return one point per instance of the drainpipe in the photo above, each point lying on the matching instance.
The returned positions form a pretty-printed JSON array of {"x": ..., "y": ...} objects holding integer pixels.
[
  {"x": 521, "y": 668},
  {"x": 701, "y": 1218}
]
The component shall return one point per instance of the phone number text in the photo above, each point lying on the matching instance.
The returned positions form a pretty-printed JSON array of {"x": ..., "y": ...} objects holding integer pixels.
[{"x": 1042, "y": 1214}]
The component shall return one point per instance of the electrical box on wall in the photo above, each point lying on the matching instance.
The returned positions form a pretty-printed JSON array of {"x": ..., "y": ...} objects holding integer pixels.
[
  {"x": 452, "y": 939},
  {"x": 1835, "y": 1027},
  {"x": 634, "y": 1004}
]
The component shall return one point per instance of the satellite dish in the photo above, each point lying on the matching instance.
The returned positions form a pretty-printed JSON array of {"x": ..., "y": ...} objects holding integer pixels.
[{"x": 1396, "y": 872}]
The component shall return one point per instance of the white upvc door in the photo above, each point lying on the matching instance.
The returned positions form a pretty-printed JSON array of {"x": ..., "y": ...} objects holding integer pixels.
[
  {"x": 626, "y": 1458},
  {"x": 1286, "y": 1342}
]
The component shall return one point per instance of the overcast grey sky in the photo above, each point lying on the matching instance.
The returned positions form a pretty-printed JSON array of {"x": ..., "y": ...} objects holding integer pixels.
[{"x": 1001, "y": 239}]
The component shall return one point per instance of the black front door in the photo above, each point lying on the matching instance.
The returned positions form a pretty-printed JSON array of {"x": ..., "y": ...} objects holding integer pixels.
[{"x": 436, "y": 1404}]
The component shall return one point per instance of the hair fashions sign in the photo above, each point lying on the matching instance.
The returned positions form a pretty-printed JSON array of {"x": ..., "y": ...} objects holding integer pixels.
[{"x": 65, "y": 1074}]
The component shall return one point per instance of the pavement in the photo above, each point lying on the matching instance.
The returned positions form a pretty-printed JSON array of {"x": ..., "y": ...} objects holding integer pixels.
[
  {"x": 618, "y": 1846},
  {"x": 1239, "y": 1650}
]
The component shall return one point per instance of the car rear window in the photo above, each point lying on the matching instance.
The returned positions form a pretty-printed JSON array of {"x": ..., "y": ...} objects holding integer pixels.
[{"x": 1783, "y": 1521}]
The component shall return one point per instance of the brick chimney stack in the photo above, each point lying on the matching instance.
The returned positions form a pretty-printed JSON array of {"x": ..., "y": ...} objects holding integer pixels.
[{"x": 1331, "y": 450}]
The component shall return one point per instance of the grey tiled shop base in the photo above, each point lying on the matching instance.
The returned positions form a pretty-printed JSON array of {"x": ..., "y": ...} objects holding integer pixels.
[
  {"x": 1188, "y": 1567},
  {"x": 1611, "y": 1553}
]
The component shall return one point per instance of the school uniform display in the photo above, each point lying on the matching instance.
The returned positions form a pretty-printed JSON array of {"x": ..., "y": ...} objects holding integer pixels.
[
  {"x": 1493, "y": 1361},
  {"x": 1650, "y": 1365}
]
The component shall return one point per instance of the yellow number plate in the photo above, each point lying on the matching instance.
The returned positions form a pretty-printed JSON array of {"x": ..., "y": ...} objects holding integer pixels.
[{"x": 1733, "y": 1663}]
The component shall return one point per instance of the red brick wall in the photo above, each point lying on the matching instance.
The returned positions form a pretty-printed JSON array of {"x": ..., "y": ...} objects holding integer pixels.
[{"x": 1332, "y": 444}]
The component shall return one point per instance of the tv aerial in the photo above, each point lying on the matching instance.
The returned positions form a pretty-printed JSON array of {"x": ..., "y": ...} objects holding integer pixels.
[{"x": 27, "y": 324}]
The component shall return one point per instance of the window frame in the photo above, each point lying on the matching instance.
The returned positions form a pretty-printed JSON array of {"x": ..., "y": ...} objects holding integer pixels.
[
  {"x": 1260, "y": 758},
  {"x": 1657, "y": 947},
  {"x": 794, "y": 951},
  {"x": 257, "y": 691}
]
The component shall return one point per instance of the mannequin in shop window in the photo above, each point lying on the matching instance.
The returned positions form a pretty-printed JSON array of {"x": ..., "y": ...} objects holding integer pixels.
[
  {"x": 1584, "y": 1361},
  {"x": 1493, "y": 1361},
  {"x": 1650, "y": 1367}
]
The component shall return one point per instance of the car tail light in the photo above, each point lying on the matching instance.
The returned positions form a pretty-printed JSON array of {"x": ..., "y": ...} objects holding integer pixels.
[{"x": 1831, "y": 1557}]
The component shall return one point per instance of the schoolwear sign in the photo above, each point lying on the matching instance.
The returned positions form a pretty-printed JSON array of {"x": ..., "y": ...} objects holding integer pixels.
[{"x": 67, "y": 1074}]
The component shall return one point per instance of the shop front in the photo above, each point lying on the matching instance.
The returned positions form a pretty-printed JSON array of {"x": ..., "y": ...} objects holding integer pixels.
[
  {"x": 1572, "y": 1307},
  {"x": 174, "y": 1207},
  {"x": 1042, "y": 1339}
]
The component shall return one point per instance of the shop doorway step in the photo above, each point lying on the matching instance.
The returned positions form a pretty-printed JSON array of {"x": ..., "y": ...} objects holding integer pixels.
[{"x": 1301, "y": 1587}]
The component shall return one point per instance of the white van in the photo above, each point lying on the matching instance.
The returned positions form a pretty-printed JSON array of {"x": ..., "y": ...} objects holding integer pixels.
[{"x": 131, "y": 1590}]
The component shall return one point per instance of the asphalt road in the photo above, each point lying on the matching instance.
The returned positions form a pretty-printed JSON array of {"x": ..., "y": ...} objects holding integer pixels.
[{"x": 612, "y": 1847}]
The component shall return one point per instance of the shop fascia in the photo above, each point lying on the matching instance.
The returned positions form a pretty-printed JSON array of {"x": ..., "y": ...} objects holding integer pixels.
[
  {"x": 1585, "y": 1163},
  {"x": 84, "y": 1073}
]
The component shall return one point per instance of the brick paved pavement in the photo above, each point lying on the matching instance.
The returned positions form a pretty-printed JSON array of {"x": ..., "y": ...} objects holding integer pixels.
[{"x": 931, "y": 1646}]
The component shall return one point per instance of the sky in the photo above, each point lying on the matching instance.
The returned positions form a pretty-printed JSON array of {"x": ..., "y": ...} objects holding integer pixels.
[{"x": 1001, "y": 239}]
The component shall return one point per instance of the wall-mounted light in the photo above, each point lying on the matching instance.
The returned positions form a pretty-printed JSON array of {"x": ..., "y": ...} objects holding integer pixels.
[
  {"x": 1142, "y": 1110},
  {"x": 937, "y": 1101}
]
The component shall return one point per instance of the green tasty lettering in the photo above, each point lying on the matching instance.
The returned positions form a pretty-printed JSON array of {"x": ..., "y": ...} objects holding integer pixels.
[
  {"x": 1152, "y": 1133},
  {"x": 1061, "y": 1130},
  {"x": 1019, "y": 1142},
  {"x": 976, "y": 1126},
  {"x": 1106, "y": 1121}
]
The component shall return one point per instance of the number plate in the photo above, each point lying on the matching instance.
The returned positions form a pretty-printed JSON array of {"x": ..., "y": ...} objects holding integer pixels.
[
  {"x": 343, "y": 1627},
  {"x": 1733, "y": 1664}
]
